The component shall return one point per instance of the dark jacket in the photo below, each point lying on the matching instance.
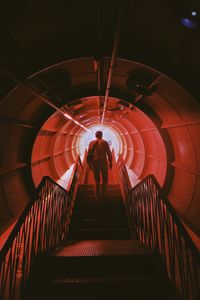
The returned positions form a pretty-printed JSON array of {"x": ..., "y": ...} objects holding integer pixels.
[{"x": 101, "y": 150}]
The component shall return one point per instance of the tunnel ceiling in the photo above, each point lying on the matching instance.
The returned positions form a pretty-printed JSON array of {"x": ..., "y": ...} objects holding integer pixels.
[
  {"x": 36, "y": 34},
  {"x": 59, "y": 51}
]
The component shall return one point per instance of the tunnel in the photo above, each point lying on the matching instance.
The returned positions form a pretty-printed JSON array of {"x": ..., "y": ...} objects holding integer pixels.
[{"x": 157, "y": 135}]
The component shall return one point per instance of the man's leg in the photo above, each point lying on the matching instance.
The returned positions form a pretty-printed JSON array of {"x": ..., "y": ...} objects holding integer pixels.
[
  {"x": 104, "y": 172},
  {"x": 96, "y": 171}
]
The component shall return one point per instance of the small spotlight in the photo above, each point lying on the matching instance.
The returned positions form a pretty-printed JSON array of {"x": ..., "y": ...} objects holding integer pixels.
[
  {"x": 193, "y": 13},
  {"x": 187, "y": 11}
]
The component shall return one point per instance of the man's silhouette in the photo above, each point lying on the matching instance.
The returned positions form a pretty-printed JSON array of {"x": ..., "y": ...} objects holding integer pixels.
[{"x": 99, "y": 165}]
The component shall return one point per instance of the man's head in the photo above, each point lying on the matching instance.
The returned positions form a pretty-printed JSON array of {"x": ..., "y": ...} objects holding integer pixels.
[{"x": 98, "y": 134}]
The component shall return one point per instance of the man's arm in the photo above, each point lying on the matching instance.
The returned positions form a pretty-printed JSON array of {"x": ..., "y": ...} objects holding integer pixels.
[
  {"x": 90, "y": 146},
  {"x": 89, "y": 150},
  {"x": 109, "y": 154}
]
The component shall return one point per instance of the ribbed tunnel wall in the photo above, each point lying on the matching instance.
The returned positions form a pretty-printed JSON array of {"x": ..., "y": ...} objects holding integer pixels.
[
  {"x": 59, "y": 141},
  {"x": 159, "y": 134}
]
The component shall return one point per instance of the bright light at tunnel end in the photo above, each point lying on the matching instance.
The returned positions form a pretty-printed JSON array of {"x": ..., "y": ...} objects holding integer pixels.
[{"x": 109, "y": 134}]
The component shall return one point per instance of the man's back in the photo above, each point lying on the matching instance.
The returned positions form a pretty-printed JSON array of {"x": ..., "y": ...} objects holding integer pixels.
[{"x": 101, "y": 150}]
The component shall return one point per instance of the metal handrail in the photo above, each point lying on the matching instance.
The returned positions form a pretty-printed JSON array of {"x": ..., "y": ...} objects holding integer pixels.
[
  {"x": 42, "y": 226},
  {"x": 155, "y": 223},
  {"x": 85, "y": 166},
  {"x": 124, "y": 178}
]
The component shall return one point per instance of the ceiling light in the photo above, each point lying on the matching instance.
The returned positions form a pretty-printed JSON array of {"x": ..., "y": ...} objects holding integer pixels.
[{"x": 193, "y": 13}]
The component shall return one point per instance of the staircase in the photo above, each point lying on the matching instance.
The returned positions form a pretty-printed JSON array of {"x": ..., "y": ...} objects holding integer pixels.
[
  {"x": 105, "y": 220},
  {"x": 99, "y": 260}
]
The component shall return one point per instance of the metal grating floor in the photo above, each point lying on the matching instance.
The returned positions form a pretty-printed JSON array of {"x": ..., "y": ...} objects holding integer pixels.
[{"x": 102, "y": 248}]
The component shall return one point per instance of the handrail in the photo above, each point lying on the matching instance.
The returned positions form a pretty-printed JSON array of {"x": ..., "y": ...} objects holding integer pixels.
[
  {"x": 124, "y": 178},
  {"x": 85, "y": 165},
  {"x": 155, "y": 223},
  {"x": 42, "y": 226},
  {"x": 77, "y": 164}
]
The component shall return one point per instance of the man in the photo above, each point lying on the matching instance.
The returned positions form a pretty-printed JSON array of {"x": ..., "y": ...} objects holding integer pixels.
[{"x": 99, "y": 164}]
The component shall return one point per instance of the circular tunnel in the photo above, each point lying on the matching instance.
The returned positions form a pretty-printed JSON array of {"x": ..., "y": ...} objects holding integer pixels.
[
  {"x": 155, "y": 129},
  {"x": 123, "y": 128}
]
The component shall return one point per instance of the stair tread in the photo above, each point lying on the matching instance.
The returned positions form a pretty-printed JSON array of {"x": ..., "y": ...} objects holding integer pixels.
[
  {"x": 94, "y": 219},
  {"x": 78, "y": 280},
  {"x": 103, "y": 248},
  {"x": 91, "y": 186},
  {"x": 87, "y": 225},
  {"x": 99, "y": 229}
]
